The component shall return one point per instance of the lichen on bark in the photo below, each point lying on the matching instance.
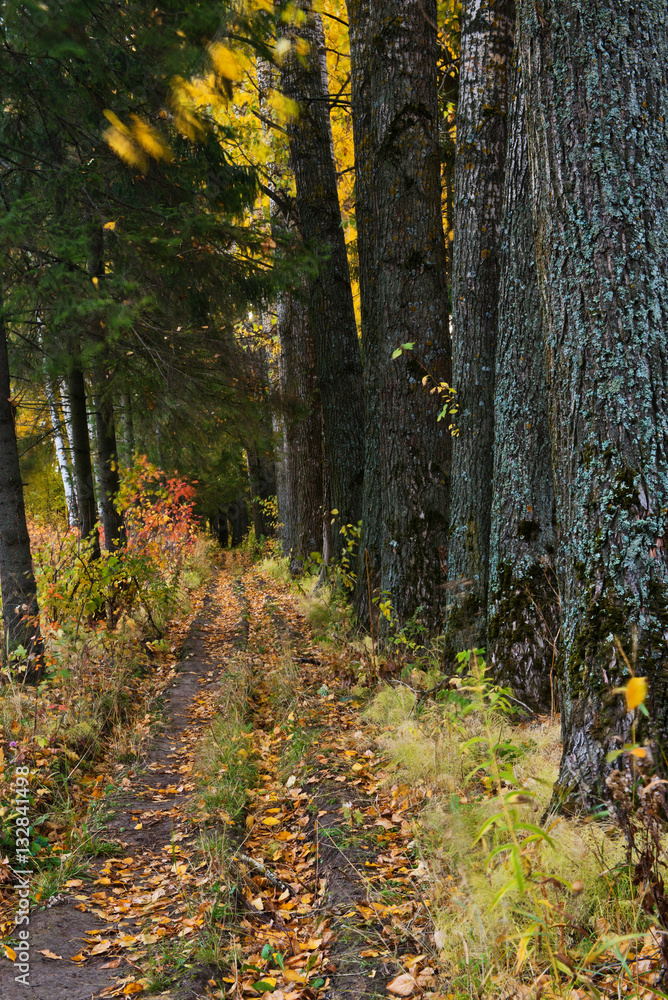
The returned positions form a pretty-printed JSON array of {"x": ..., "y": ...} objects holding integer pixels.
[{"x": 595, "y": 77}]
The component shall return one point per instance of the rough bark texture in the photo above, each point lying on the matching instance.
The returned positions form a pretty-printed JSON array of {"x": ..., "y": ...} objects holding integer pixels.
[
  {"x": 17, "y": 580},
  {"x": 107, "y": 455},
  {"x": 596, "y": 91},
  {"x": 486, "y": 51},
  {"x": 81, "y": 456},
  {"x": 523, "y": 605},
  {"x": 409, "y": 303},
  {"x": 303, "y": 420},
  {"x": 371, "y": 540},
  {"x": 331, "y": 310}
]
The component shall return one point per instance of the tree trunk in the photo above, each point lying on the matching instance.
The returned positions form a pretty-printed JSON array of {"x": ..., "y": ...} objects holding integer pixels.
[
  {"x": 107, "y": 453},
  {"x": 409, "y": 303},
  {"x": 596, "y": 93},
  {"x": 262, "y": 484},
  {"x": 222, "y": 530},
  {"x": 331, "y": 310},
  {"x": 371, "y": 540},
  {"x": 57, "y": 422},
  {"x": 304, "y": 431},
  {"x": 486, "y": 51},
  {"x": 523, "y": 604},
  {"x": 127, "y": 429},
  {"x": 20, "y": 612},
  {"x": 81, "y": 456}
]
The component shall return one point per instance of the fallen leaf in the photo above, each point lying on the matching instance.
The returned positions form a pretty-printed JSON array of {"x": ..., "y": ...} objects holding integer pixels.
[
  {"x": 101, "y": 947},
  {"x": 402, "y": 986},
  {"x": 49, "y": 954}
]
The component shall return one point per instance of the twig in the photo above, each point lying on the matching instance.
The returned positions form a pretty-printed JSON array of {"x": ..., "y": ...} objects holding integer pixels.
[{"x": 261, "y": 869}]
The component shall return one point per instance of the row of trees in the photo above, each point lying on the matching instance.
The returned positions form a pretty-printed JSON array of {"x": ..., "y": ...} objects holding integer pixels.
[
  {"x": 534, "y": 525},
  {"x": 537, "y": 532}
]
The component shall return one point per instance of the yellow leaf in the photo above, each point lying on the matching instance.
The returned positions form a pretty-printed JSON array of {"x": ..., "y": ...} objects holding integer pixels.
[
  {"x": 639, "y": 752},
  {"x": 10, "y": 953},
  {"x": 225, "y": 61},
  {"x": 133, "y": 988},
  {"x": 271, "y": 821},
  {"x": 635, "y": 692},
  {"x": 101, "y": 947},
  {"x": 294, "y": 977},
  {"x": 50, "y": 954},
  {"x": 109, "y": 225},
  {"x": 149, "y": 140}
]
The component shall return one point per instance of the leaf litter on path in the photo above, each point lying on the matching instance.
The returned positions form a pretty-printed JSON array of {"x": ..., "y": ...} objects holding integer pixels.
[{"x": 329, "y": 895}]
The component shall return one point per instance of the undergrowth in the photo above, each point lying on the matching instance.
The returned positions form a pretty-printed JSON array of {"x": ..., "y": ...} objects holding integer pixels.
[
  {"x": 111, "y": 638},
  {"x": 523, "y": 900}
]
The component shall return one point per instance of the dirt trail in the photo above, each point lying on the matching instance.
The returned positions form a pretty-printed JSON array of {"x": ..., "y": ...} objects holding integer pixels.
[{"x": 328, "y": 895}]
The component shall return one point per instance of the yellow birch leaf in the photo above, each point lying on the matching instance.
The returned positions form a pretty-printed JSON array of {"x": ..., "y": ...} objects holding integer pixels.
[{"x": 10, "y": 953}]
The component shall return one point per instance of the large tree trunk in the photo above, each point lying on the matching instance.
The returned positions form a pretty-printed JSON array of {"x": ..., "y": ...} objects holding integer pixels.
[
  {"x": 597, "y": 106},
  {"x": 523, "y": 604},
  {"x": 107, "y": 454},
  {"x": 409, "y": 303},
  {"x": 20, "y": 612},
  {"x": 81, "y": 456},
  {"x": 486, "y": 50},
  {"x": 371, "y": 541},
  {"x": 304, "y": 431},
  {"x": 331, "y": 310}
]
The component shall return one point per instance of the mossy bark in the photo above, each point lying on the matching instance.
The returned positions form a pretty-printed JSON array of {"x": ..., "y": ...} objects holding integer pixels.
[
  {"x": 523, "y": 601},
  {"x": 409, "y": 274},
  {"x": 331, "y": 309},
  {"x": 20, "y": 611},
  {"x": 486, "y": 50},
  {"x": 596, "y": 93}
]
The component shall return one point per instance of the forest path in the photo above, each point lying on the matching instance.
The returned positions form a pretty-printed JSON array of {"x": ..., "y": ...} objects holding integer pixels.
[{"x": 313, "y": 892}]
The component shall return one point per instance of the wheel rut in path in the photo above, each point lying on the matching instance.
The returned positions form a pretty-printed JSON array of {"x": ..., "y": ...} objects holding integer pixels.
[{"x": 344, "y": 915}]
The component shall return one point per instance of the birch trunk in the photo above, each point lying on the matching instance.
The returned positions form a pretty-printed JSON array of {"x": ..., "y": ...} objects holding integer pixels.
[{"x": 58, "y": 423}]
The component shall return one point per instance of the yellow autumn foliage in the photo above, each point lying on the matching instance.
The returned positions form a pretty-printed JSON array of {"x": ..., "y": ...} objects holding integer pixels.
[
  {"x": 635, "y": 692},
  {"x": 227, "y": 63}
]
